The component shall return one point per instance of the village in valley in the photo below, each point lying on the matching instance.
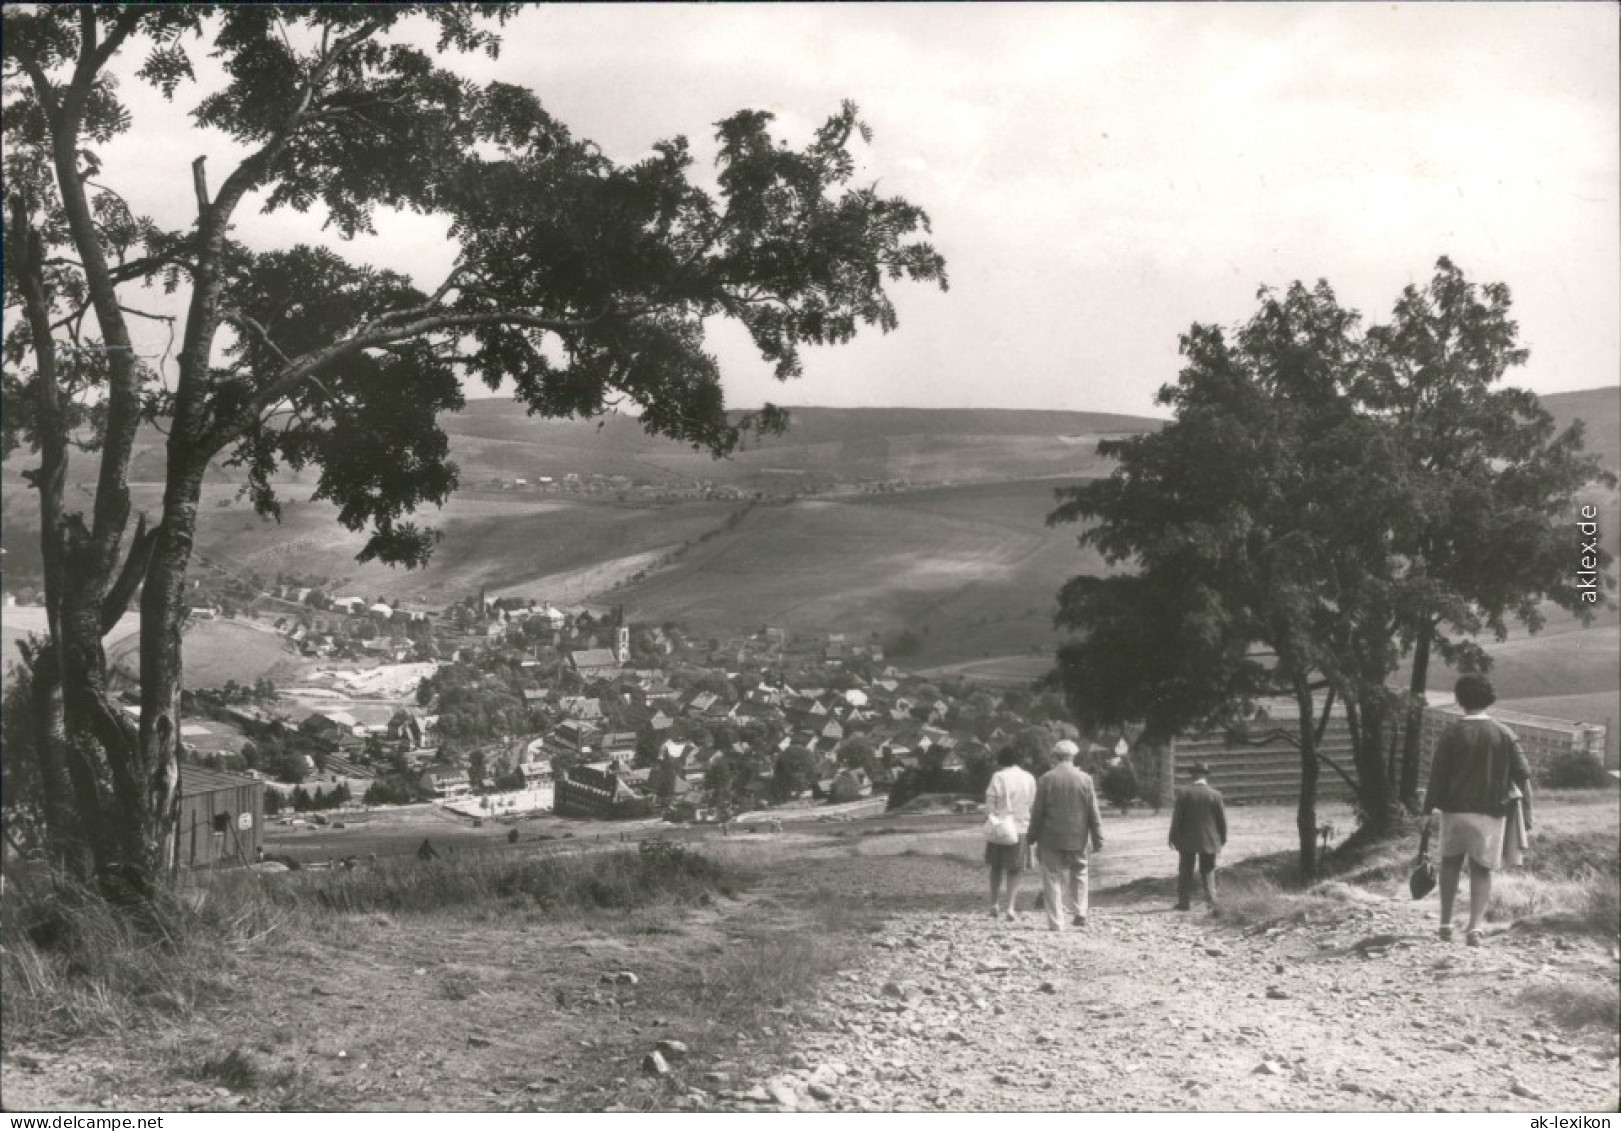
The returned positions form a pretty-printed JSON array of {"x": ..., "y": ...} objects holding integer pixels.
[
  {"x": 414, "y": 722},
  {"x": 503, "y": 709}
]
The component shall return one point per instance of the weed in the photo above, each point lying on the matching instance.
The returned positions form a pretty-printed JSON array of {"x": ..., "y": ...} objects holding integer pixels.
[
  {"x": 458, "y": 985},
  {"x": 73, "y": 964},
  {"x": 1575, "y": 1006},
  {"x": 235, "y": 1070}
]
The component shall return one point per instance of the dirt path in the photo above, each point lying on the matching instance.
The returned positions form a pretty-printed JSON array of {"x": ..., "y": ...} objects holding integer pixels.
[
  {"x": 1361, "y": 1008},
  {"x": 864, "y": 973}
]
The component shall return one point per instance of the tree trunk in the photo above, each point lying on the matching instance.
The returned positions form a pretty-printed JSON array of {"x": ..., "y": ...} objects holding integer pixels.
[
  {"x": 1413, "y": 736},
  {"x": 163, "y": 614},
  {"x": 1369, "y": 720},
  {"x": 1306, "y": 810}
]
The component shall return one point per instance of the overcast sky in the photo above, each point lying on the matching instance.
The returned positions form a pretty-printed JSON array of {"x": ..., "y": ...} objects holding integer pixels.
[{"x": 1101, "y": 176}]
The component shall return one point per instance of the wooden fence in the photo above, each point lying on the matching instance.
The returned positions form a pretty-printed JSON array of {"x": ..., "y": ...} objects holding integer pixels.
[{"x": 1262, "y": 767}]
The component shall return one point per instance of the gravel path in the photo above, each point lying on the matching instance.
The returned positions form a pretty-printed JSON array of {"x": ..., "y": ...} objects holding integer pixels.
[{"x": 1359, "y": 1007}]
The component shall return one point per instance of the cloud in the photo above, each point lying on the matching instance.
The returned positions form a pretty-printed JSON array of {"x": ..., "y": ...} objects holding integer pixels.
[{"x": 1100, "y": 176}]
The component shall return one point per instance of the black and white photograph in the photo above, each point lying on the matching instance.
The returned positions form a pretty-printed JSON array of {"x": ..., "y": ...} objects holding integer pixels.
[{"x": 810, "y": 558}]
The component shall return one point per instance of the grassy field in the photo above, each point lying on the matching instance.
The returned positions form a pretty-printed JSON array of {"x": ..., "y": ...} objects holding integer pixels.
[
  {"x": 972, "y": 571},
  {"x": 218, "y": 651}
]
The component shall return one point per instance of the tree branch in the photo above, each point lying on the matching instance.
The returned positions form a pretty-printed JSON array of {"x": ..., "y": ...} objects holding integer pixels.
[
  {"x": 118, "y": 597},
  {"x": 372, "y": 336}
]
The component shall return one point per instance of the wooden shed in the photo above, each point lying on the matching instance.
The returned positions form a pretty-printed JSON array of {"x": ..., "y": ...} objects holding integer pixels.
[{"x": 221, "y": 818}]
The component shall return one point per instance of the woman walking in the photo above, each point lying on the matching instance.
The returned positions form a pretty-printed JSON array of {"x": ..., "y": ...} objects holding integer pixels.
[
  {"x": 1477, "y": 770},
  {"x": 1011, "y": 792}
]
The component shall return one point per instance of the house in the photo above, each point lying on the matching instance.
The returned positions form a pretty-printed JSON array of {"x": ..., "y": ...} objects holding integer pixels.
[
  {"x": 331, "y": 726},
  {"x": 701, "y": 703},
  {"x": 574, "y": 736},
  {"x": 580, "y": 707},
  {"x": 447, "y": 783},
  {"x": 221, "y": 818},
  {"x": 619, "y": 745},
  {"x": 406, "y": 729},
  {"x": 591, "y": 790},
  {"x": 595, "y": 663},
  {"x": 660, "y": 721}
]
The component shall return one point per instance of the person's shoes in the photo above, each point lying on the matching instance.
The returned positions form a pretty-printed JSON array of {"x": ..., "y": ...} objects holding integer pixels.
[
  {"x": 1215, "y": 912},
  {"x": 1445, "y": 934},
  {"x": 1472, "y": 938},
  {"x": 1184, "y": 907},
  {"x": 1078, "y": 921},
  {"x": 1009, "y": 915},
  {"x": 996, "y": 912}
]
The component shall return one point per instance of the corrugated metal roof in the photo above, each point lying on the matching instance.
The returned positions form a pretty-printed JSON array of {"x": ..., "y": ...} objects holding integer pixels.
[{"x": 195, "y": 780}]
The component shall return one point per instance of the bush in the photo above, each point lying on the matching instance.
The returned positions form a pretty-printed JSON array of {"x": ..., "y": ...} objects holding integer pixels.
[
  {"x": 1120, "y": 784},
  {"x": 1574, "y": 770}
]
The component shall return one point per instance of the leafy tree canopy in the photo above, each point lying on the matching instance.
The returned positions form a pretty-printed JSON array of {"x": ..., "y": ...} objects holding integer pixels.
[{"x": 581, "y": 282}]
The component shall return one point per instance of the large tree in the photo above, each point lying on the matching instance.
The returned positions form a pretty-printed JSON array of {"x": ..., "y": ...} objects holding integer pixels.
[
  {"x": 1488, "y": 479},
  {"x": 1275, "y": 526},
  {"x": 578, "y": 281}
]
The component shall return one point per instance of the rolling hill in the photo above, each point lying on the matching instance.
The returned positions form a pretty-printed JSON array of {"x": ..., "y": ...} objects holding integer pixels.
[
  {"x": 970, "y": 570},
  {"x": 962, "y": 558},
  {"x": 1599, "y": 410}
]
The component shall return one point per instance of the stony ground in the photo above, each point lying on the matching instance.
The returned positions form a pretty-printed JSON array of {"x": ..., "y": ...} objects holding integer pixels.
[
  {"x": 1358, "y": 1008},
  {"x": 865, "y": 973}
]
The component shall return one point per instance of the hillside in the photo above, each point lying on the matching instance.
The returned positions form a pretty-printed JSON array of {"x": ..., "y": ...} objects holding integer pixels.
[
  {"x": 962, "y": 559},
  {"x": 1600, "y": 411},
  {"x": 971, "y": 571},
  {"x": 496, "y": 439}
]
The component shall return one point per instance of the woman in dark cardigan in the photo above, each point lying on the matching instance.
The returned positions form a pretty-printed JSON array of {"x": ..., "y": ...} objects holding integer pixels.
[{"x": 1477, "y": 765}]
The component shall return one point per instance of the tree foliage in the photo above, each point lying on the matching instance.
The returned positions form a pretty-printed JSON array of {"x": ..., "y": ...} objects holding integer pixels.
[
  {"x": 581, "y": 282},
  {"x": 1321, "y": 496}
]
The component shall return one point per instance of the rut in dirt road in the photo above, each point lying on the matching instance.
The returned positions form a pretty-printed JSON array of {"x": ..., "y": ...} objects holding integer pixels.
[{"x": 1358, "y": 1008}]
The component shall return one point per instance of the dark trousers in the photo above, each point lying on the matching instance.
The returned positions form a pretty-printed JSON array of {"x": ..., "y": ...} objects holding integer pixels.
[{"x": 1184, "y": 877}]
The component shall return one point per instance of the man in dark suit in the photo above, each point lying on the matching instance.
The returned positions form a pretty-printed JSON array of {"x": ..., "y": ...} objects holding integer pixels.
[
  {"x": 1064, "y": 825},
  {"x": 1198, "y": 832}
]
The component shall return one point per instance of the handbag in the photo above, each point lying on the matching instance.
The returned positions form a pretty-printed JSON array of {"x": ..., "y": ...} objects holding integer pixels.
[
  {"x": 1515, "y": 839},
  {"x": 1422, "y": 880},
  {"x": 1001, "y": 828}
]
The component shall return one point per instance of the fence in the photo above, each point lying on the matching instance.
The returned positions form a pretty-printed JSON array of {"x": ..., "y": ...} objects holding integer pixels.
[{"x": 1262, "y": 766}]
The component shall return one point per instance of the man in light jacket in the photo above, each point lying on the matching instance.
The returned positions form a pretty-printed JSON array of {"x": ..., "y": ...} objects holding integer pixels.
[
  {"x": 1064, "y": 825},
  {"x": 1198, "y": 832},
  {"x": 1011, "y": 793}
]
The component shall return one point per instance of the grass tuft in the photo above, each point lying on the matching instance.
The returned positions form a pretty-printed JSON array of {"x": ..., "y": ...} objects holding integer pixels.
[
  {"x": 1575, "y": 1006},
  {"x": 73, "y": 964},
  {"x": 235, "y": 1070}
]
